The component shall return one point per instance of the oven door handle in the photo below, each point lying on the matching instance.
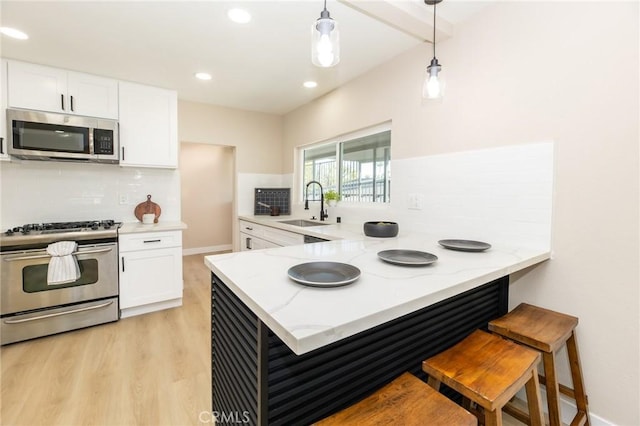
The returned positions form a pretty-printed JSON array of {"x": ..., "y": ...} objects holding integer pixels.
[
  {"x": 42, "y": 256},
  {"x": 57, "y": 314}
]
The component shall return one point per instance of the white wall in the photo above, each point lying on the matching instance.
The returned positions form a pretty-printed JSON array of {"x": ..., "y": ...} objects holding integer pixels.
[{"x": 520, "y": 73}]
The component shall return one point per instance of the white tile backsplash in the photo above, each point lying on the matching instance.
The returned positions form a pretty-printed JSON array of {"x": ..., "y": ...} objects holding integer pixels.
[
  {"x": 40, "y": 191},
  {"x": 495, "y": 195},
  {"x": 498, "y": 195}
]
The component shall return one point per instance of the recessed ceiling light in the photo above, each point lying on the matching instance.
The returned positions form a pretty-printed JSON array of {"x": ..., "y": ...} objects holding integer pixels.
[
  {"x": 239, "y": 16},
  {"x": 310, "y": 84},
  {"x": 203, "y": 76},
  {"x": 13, "y": 33}
]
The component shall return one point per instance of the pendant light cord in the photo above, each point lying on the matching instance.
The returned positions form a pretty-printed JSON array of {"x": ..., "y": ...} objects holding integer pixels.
[{"x": 434, "y": 28}]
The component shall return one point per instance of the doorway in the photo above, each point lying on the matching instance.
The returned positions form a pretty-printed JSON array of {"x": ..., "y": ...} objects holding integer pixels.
[{"x": 207, "y": 197}]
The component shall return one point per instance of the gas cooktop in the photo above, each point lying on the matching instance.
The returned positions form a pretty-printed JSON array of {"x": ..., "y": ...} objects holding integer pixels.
[{"x": 34, "y": 233}]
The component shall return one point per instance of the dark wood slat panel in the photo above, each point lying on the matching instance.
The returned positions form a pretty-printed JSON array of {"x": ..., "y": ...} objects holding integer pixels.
[{"x": 234, "y": 356}]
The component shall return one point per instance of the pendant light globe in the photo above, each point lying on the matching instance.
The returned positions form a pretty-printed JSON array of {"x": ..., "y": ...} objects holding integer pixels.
[{"x": 325, "y": 40}]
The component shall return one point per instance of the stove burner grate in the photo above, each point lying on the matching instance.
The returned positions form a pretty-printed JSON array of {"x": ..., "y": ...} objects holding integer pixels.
[{"x": 59, "y": 227}]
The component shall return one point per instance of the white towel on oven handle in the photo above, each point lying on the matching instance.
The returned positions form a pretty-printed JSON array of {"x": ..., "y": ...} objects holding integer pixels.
[{"x": 63, "y": 266}]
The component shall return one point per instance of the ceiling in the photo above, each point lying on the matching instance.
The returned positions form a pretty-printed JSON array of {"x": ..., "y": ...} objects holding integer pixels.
[{"x": 259, "y": 66}]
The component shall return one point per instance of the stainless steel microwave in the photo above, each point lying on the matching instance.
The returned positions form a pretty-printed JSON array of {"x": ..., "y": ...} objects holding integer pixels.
[{"x": 37, "y": 135}]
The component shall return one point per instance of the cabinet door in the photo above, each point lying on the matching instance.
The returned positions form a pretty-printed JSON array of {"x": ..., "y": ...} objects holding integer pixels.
[
  {"x": 3, "y": 111},
  {"x": 37, "y": 87},
  {"x": 92, "y": 95},
  {"x": 148, "y": 126},
  {"x": 149, "y": 276},
  {"x": 249, "y": 242}
]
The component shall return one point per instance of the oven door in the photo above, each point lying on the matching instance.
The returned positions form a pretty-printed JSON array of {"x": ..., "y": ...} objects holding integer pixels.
[{"x": 24, "y": 278}]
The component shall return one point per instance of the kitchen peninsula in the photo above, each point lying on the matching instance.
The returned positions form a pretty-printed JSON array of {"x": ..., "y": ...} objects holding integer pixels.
[{"x": 284, "y": 353}]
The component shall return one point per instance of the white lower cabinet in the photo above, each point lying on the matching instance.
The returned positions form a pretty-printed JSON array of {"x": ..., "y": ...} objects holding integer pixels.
[
  {"x": 249, "y": 242},
  {"x": 254, "y": 236},
  {"x": 150, "y": 272}
]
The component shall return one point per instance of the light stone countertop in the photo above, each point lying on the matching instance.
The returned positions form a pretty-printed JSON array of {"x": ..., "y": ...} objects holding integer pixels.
[
  {"x": 136, "y": 227},
  {"x": 307, "y": 318}
]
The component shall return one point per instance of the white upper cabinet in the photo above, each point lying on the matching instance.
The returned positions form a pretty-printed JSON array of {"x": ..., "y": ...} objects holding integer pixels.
[
  {"x": 92, "y": 96},
  {"x": 42, "y": 88},
  {"x": 148, "y": 126},
  {"x": 3, "y": 111}
]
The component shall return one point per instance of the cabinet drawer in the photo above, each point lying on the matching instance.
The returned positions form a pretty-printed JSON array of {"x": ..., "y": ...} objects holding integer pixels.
[
  {"x": 277, "y": 236},
  {"x": 149, "y": 240},
  {"x": 251, "y": 228}
]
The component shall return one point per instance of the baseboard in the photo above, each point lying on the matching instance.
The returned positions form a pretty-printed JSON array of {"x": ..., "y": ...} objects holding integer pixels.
[
  {"x": 209, "y": 249},
  {"x": 151, "y": 307},
  {"x": 567, "y": 407}
]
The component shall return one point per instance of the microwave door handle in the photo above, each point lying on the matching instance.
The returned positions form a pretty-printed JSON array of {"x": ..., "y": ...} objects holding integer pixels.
[{"x": 45, "y": 255}]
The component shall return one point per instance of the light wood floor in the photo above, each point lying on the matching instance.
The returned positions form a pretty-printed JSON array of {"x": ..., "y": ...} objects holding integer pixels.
[{"x": 151, "y": 369}]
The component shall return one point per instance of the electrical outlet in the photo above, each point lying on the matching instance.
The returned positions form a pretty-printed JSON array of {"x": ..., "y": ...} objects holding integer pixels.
[
  {"x": 124, "y": 198},
  {"x": 415, "y": 201}
]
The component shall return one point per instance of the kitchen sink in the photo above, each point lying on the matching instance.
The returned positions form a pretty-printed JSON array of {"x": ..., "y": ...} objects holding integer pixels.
[{"x": 302, "y": 222}]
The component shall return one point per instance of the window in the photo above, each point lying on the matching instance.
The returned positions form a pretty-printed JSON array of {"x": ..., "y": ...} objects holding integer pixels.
[{"x": 358, "y": 168}]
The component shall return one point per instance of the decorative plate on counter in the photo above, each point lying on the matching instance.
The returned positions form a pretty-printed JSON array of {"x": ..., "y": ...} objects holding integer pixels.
[
  {"x": 324, "y": 274},
  {"x": 407, "y": 257},
  {"x": 464, "y": 245}
]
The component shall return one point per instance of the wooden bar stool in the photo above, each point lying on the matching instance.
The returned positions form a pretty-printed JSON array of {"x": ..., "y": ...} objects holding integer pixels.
[
  {"x": 488, "y": 370},
  {"x": 547, "y": 331},
  {"x": 406, "y": 401}
]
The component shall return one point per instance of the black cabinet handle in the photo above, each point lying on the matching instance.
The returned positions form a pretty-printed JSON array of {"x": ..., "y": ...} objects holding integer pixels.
[
  {"x": 248, "y": 243},
  {"x": 122, "y": 263},
  {"x": 122, "y": 154},
  {"x": 151, "y": 241},
  {"x": 62, "y": 100},
  {"x": 72, "y": 103},
  {"x": 1, "y": 145}
]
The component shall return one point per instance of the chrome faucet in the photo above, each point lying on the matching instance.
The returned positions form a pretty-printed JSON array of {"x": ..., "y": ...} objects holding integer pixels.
[{"x": 323, "y": 213}]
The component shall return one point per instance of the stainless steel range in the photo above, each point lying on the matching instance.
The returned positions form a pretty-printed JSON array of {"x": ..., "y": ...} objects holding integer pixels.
[{"x": 31, "y": 305}]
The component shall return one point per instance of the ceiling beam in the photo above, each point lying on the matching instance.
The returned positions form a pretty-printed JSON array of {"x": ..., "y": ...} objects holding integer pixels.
[{"x": 412, "y": 17}]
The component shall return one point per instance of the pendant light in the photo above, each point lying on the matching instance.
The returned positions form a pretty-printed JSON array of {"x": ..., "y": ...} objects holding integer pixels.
[
  {"x": 325, "y": 42},
  {"x": 433, "y": 85}
]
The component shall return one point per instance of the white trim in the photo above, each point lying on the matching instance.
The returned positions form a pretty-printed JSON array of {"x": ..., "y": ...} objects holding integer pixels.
[
  {"x": 151, "y": 307},
  {"x": 209, "y": 249}
]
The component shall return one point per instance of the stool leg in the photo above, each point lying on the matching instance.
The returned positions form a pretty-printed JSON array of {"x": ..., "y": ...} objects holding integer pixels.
[
  {"x": 533, "y": 400},
  {"x": 493, "y": 418},
  {"x": 576, "y": 377},
  {"x": 553, "y": 389},
  {"x": 435, "y": 384}
]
